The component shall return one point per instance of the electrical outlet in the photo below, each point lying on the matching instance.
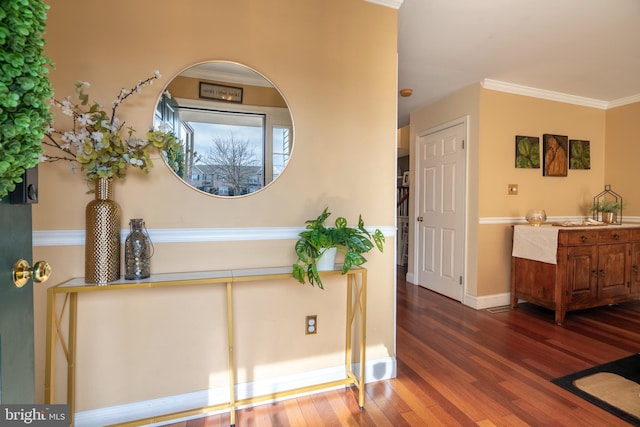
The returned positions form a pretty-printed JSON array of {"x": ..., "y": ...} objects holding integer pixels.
[
  {"x": 513, "y": 190},
  {"x": 311, "y": 325}
]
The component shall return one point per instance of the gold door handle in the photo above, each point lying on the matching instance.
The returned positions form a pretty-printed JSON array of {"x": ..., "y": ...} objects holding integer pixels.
[
  {"x": 420, "y": 219},
  {"x": 22, "y": 272}
]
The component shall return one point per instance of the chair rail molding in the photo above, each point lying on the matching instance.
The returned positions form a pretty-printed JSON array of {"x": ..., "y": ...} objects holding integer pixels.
[
  {"x": 174, "y": 235},
  {"x": 520, "y": 219}
]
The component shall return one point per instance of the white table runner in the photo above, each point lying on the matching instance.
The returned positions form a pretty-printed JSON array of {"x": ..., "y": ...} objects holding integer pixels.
[{"x": 536, "y": 243}]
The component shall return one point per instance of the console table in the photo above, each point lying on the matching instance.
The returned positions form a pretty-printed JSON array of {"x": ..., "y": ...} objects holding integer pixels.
[
  {"x": 68, "y": 292},
  {"x": 582, "y": 267}
]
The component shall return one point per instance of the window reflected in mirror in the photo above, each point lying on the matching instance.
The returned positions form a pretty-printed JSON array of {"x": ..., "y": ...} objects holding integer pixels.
[{"x": 234, "y": 127}]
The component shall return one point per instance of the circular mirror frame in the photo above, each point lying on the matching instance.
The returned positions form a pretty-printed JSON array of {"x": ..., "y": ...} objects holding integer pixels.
[{"x": 209, "y": 98}]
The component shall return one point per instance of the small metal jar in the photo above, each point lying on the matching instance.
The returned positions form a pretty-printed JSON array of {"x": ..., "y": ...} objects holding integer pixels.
[{"x": 137, "y": 251}]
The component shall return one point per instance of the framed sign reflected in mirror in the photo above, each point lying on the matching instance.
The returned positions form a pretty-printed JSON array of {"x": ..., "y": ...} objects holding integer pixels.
[
  {"x": 234, "y": 126},
  {"x": 221, "y": 92}
]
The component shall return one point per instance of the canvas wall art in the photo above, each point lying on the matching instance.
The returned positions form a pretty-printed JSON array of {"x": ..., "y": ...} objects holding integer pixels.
[
  {"x": 579, "y": 154},
  {"x": 527, "y": 152},
  {"x": 555, "y": 155}
]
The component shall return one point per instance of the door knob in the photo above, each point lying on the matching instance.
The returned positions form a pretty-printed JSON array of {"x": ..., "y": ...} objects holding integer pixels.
[
  {"x": 420, "y": 219},
  {"x": 22, "y": 272}
]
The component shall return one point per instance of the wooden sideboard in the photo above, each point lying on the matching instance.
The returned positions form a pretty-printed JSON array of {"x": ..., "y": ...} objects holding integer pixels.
[
  {"x": 67, "y": 308},
  {"x": 595, "y": 266}
]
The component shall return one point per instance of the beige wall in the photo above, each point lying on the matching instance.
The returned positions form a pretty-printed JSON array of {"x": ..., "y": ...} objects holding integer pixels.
[
  {"x": 495, "y": 119},
  {"x": 335, "y": 63},
  {"x": 503, "y": 116},
  {"x": 621, "y": 155}
]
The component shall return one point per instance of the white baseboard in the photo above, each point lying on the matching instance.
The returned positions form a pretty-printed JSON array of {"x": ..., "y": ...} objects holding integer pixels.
[
  {"x": 376, "y": 370},
  {"x": 410, "y": 278},
  {"x": 487, "y": 301},
  {"x": 480, "y": 303}
]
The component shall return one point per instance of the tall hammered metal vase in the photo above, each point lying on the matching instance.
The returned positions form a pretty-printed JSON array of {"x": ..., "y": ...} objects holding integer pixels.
[{"x": 102, "y": 240}]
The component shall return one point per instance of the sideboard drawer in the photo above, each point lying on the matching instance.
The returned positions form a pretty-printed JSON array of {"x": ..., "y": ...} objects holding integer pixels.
[
  {"x": 582, "y": 237},
  {"x": 613, "y": 236}
]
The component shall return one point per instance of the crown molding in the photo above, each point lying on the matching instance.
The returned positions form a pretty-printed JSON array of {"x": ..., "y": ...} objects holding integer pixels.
[
  {"x": 395, "y": 4},
  {"x": 624, "y": 101},
  {"x": 543, "y": 94}
]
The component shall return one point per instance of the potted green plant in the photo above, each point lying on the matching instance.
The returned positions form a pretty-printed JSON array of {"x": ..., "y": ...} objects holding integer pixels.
[
  {"x": 608, "y": 209},
  {"x": 317, "y": 238}
]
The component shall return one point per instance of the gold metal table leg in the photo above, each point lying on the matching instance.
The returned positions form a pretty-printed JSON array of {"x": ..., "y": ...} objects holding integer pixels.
[
  {"x": 363, "y": 333},
  {"x": 348, "y": 358},
  {"x": 232, "y": 377},
  {"x": 356, "y": 305},
  {"x": 50, "y": 347},
  {"x": 54, "y": 334},
  {"x": 71, "y": 358}
]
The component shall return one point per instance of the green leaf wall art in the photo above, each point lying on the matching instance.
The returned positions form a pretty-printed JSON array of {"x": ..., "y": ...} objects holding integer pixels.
[
  {"x": 527, "y": 152},
  {"x": 579, "y": 154}
]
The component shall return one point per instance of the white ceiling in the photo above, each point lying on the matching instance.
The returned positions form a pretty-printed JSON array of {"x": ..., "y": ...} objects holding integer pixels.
[{"x": 584, "y": 48}]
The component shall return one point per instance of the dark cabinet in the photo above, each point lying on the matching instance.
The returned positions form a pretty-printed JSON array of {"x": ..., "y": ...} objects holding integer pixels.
[{"x": 594, "y": 267}]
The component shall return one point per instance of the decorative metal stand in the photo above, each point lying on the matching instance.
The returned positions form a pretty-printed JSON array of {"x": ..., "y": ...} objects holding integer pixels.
[{"x": 607, "y": 206}]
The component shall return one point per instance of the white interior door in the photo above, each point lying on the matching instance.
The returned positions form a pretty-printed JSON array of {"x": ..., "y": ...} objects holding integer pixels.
[{"x": 440, "y": 209}]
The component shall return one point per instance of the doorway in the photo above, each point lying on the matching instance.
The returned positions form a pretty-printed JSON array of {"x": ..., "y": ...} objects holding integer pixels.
[{"x": 440, "y": 208}]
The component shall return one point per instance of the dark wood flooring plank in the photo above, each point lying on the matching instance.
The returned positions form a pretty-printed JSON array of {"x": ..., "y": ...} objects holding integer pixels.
[{"x": 463, "y": 367}]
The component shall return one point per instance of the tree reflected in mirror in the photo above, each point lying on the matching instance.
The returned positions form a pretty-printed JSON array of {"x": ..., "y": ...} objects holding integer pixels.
[{"x": 235, "y": 165}]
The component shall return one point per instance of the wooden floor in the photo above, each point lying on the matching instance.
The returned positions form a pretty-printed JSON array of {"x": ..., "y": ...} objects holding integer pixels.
[{"x": 461, "y": 367}]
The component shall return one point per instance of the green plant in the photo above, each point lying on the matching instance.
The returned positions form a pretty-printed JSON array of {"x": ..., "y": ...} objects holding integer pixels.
[
  {"x": 98, "y": 140},
  {"x": 352, "y": 241},
  {"x": 24, "y": 88},
  {"x": 606, "y": 206}
]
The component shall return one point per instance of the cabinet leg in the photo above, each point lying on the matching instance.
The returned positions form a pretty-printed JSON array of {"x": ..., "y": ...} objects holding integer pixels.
[
  {"x": 560, "y": 314},
  {"x": 514, "y": 301}
]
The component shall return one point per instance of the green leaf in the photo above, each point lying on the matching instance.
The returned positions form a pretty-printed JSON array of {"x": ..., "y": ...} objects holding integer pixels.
[
  {"x": 379, "y": 239},
  {"x": 576, "y": 149},
  {"x": 341, "y": 222},
  {"x": 299, "y": 273},
  {"x": 524, "y": 146},
  {"x": 523, "y": 162},
  {"x": 24, "y": 88}
]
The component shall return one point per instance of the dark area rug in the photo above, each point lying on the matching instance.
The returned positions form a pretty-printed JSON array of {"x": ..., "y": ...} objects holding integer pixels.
[{"x": 617, "y": 393}]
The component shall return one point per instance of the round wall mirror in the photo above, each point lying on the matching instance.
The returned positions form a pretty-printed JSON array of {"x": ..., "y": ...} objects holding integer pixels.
[{"x": 234, "y": 127}]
